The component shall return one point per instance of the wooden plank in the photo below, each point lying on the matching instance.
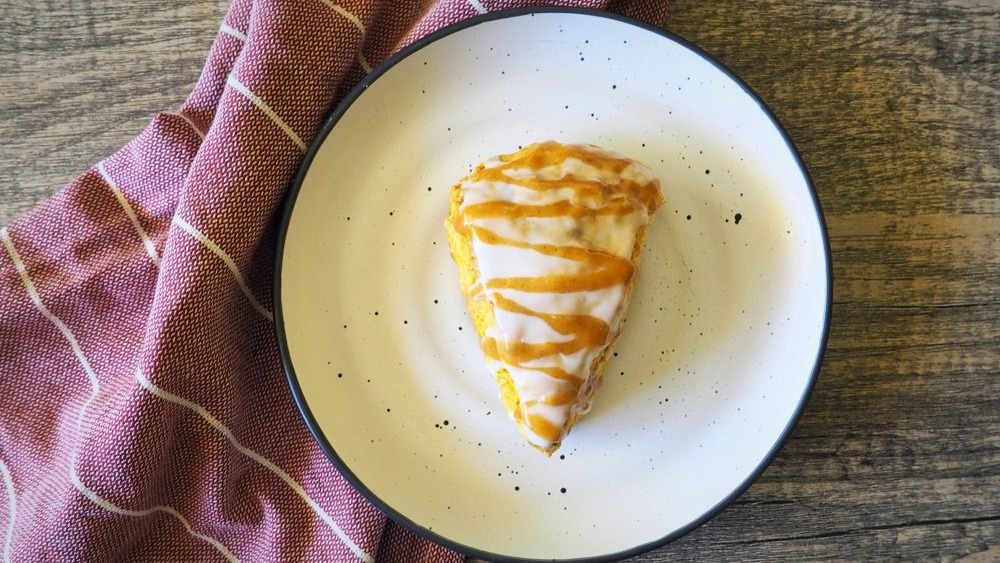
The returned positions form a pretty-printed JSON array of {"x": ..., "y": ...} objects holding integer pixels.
[{"x": 79, "y": 79}]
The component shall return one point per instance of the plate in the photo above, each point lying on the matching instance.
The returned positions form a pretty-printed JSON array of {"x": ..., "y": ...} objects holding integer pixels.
[{"x": 722, "y": 342}]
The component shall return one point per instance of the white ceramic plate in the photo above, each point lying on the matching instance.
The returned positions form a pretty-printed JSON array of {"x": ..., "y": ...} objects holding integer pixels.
[{"x": 723, "y": 337}]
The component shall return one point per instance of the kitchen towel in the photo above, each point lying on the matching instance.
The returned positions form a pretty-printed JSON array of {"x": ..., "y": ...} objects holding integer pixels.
[{"x": 144, "y": 411}]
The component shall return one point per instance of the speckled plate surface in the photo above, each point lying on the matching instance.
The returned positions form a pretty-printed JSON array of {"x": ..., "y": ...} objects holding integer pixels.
[{"x": 722, "y": 341}]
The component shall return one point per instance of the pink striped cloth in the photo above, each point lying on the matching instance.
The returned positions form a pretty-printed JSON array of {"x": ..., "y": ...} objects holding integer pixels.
[{"x": 144, "y": 413}]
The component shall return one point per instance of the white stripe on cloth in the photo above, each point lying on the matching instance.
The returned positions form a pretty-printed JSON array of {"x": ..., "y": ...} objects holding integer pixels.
[
  {"x": 189, "y": 122},
  {"x": 95, "y": 389},
  {"x": 11, "y": 509},
  {"x": 127, "y": 207},
  {"x": 37, "y": 300},
  {"x": 85, "y": 491},
  {"x": 207, "y": 242},
  {"x": 357, "y": 23},
  {"x": 262, "y": 106},
  {"x": 477, "y": 6},
  {"x": 225, "y": 431},
  {"x": 364, "y": 62},
  {"x": 229, "y": 30}
]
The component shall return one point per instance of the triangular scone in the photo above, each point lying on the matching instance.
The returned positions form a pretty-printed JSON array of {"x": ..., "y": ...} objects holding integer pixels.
[{"x": 547, "y": 242}]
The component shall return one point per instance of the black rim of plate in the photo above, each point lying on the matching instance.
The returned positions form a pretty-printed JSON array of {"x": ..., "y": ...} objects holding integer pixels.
[{"x": 285, "y": 220}]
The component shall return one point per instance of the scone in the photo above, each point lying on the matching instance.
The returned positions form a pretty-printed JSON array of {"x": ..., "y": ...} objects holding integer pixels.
[{"x": 547, "y": 242}]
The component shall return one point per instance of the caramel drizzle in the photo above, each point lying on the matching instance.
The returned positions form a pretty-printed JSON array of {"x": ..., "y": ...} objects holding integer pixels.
[
  {"x": 601, "y": 270},
  {"x": 606, "y": 269}
]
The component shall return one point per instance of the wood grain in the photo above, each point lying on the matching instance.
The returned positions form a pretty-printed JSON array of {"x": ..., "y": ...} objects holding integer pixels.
[
  {"x": 78, "y": 79},
  {"x": 894, "y": 109}
]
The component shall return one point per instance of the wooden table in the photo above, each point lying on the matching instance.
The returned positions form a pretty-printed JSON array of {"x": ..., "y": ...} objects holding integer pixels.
[{"x": 895, "y": 111}]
